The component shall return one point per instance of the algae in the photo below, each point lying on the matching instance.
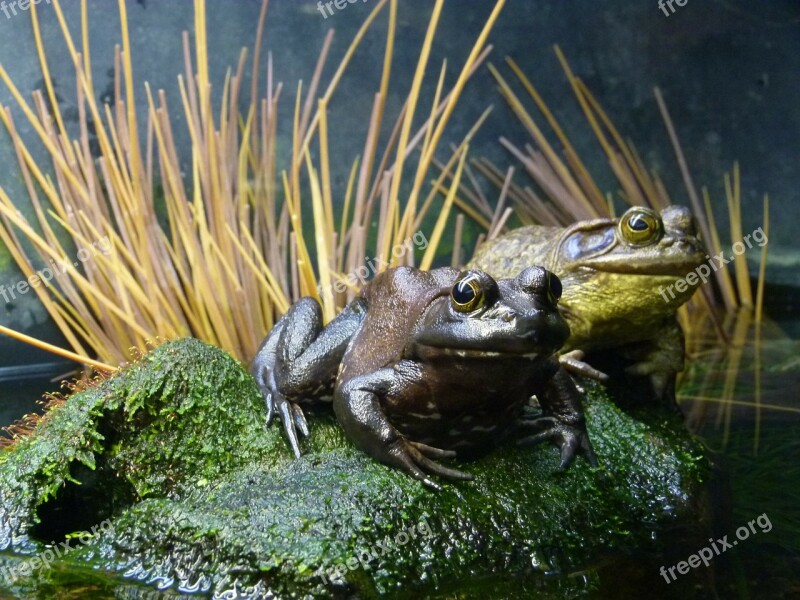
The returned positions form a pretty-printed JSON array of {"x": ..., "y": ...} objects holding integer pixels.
[{"x": 203, "y": 498}]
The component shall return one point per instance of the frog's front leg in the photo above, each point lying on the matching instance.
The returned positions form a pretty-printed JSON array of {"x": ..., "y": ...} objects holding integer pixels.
[
  {"x": 562, "y": 420},
  {"x": 358, "y": 409},
  {"x": 299, "y": 360},
  {"x": 660, "y": 360},
  {"x": 573, "y": 363}
]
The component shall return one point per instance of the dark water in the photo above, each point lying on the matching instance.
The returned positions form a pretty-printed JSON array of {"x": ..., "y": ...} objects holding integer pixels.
[{"x": 744, "y": 402}]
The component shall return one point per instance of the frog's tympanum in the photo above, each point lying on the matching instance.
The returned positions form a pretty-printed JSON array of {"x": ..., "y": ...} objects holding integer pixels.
[
  {"x": 427, "y": 365},
  {"x": 614, "y": 272}
]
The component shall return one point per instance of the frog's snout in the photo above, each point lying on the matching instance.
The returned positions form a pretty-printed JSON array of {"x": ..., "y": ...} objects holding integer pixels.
[
  {"x": 685, "y": 250},
  {"x": 544, "y": 329}
]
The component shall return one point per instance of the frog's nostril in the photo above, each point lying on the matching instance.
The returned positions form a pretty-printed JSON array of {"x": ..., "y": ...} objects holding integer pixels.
[
  {"x": 679, "y": 220},
  {"x": 533, "y": 280}
]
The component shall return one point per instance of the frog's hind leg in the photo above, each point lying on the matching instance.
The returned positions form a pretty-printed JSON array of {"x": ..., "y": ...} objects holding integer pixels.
[
  {"x": 358, "y": 410},
  {"x": 299, "y": 359}
]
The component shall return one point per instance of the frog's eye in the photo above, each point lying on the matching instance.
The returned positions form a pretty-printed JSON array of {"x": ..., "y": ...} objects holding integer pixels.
[
  {"x": 554, "y": 288},
  {"x": 468, "y": 294},
  {"x": 640, "y": 226}
]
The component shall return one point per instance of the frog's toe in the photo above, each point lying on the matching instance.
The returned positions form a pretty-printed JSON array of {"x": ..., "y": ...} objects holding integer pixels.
[
  {"x": 569, "y": 449},
  {"x": 536, "y": 439},
  {"x": 287, "y": 412},
  {"x": 270, "y": 404},
  {"x": 538, "y": 422},
  {"x": 432, "y": 452},
  {"x": 417, "y": 452},
  {"x": 574, "y": 364},
  {"x": 437, "y": 469},
  {"x": 300, "y": 420},
  {"x": 563, "y": 438},
  {"x": 400, "y": 457},
  {"x": 570, "y": 440},
  {"x": 410, "y": 456},
  {"x": 588, "y": 451}
]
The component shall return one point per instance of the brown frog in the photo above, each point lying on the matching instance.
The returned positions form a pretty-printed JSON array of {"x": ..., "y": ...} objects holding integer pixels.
[
  {"x": 624, "y": 280},
  {"x": 427, "y": 365}
]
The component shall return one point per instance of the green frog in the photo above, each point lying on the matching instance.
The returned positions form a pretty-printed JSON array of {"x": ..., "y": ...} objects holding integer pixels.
[
  {"x": 624, "y": 280},
  {"x": 429, "y": 365}
]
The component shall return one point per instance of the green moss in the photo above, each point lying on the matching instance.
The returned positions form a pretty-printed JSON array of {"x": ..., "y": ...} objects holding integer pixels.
[
  {"x": 203, "y": 494},
  {"x": 184, "y": 414}
]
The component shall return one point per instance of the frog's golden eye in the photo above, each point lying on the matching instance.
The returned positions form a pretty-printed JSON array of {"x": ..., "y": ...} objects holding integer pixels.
[
  {"x": 640, "y": 226},
  {"x": 468, "y": 294}
]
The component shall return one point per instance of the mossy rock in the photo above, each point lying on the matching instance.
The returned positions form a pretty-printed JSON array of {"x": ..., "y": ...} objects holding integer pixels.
[{"x": 173, "y": 452}]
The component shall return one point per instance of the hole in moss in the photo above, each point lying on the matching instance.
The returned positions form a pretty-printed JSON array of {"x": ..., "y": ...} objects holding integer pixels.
[{"x": 78, "y": 507}]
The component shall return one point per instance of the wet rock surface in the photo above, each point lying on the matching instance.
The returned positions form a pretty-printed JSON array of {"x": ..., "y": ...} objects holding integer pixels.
[{"x": 172, "y": 455}]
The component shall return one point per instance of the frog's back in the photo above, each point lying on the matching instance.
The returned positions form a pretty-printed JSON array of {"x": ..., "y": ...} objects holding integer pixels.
[
  {"x": 395, "y": 300},
  {"x": 507, "y": 255}
]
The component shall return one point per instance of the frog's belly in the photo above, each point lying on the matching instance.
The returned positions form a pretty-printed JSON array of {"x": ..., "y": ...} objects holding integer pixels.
[
  {"x": 467, "y": 434},
  {"x": 466, "y": 410}
]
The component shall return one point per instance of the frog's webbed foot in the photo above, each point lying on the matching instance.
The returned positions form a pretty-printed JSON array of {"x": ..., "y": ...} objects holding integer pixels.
[
  {"x": 574, "y": 364},
  {"x": 572, "y": 440},
  {"x": 562, "y": 421}
]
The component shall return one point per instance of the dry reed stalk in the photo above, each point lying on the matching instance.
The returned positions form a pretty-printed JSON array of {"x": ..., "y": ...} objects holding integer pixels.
[{"x": 234, "y": 252}]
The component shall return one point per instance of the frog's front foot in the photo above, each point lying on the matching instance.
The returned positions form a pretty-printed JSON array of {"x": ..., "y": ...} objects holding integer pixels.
[
  {"x": 415, "y": 459},
  {"x": 290, "y": 413},
  {"x": 572, "y": 439},
  {"x": 358, "y": 410},
  {"x": 573, "y": 362}
]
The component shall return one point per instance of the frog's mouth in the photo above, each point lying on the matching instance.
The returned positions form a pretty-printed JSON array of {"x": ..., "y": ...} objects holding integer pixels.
[
  {"x": 674, "y": 255},
  {"x": 659, "y": 264}
]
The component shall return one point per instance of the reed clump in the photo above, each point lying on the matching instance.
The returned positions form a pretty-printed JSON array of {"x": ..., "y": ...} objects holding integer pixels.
[{"x": 242, "y": 237}]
